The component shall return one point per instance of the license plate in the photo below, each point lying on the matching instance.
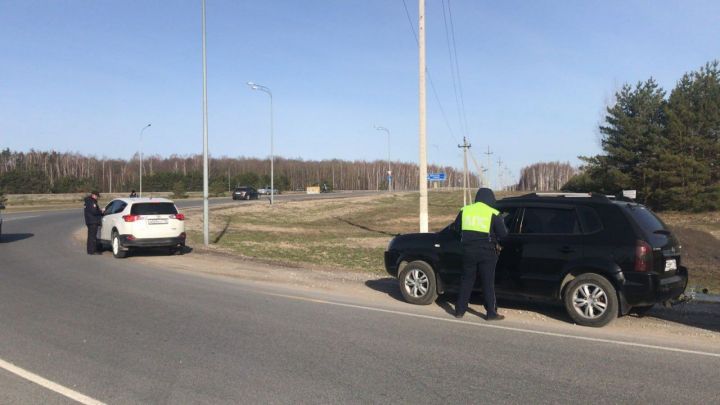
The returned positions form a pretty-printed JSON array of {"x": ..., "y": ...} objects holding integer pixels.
[
  {"x": 670, "y": 265},
  {"x": 157, "y": 221}
]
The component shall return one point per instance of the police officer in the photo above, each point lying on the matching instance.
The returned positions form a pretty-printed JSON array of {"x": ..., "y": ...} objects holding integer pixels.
[
  {"x": 481, "y": 226},
  {"x": 93, "y": 220}
]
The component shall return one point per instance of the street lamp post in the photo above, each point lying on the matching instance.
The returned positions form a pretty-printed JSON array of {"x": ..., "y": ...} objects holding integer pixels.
[
  {"x": 389, "y": 171},
  {"x": 256, "y": 86},
  {"x": 141, "y": 155}
]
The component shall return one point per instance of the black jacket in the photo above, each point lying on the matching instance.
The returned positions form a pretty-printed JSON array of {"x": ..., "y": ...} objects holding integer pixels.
[
  {"x": 93, "y": 214},
  {"x": 497, "y": 228}
]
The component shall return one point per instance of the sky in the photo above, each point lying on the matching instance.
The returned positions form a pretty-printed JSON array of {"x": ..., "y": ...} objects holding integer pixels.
[{"x": 87, "y": 76}]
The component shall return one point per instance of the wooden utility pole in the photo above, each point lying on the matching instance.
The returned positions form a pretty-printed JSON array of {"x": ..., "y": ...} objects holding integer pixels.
[
  {"x": 489, "y": 163},
  {"x": 423, "y": 120},
  {"x": 465, "y": 146}
]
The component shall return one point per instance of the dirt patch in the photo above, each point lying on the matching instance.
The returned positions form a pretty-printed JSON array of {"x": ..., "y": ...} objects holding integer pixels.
[{"x": 701, "y": 254}]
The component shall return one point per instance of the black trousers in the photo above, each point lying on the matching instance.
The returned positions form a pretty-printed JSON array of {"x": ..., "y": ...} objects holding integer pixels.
[
  {"x": 92, "y": 238},
  {"x": 476, "y": 259}
]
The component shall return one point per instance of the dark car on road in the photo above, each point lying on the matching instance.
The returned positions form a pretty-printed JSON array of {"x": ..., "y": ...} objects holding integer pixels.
[
  {"x": 600, "y": 256},
  {"x": 245, "y": 193}
]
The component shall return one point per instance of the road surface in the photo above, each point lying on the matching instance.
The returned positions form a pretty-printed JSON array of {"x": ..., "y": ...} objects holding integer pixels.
[{"x": 93, "y": 328}]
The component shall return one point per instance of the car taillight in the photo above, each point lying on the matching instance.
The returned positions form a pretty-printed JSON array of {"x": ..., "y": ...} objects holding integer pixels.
[
  {"x": 131, "y": 218},
  {"x": 643, "y": 256},
  {"x": 179, "y": 217}
]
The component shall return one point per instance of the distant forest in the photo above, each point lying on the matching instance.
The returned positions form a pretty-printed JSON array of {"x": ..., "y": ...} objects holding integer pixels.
[{"x": 58, "y": 172}]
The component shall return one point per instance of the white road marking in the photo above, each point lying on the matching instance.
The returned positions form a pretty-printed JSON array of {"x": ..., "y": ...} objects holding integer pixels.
[
  {"x": 509, "y": 328},
  {"x": 43, "y": 382},
  {"x": 17, "y": 218}
]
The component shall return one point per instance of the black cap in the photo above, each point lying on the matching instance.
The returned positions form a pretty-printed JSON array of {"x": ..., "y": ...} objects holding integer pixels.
[{"x": 97, "y": 193}]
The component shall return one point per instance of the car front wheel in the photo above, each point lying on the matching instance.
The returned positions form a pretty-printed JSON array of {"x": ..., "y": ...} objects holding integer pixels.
[
  {"x": 418, "y": 284},
  {"x": 591, "y": 300}
]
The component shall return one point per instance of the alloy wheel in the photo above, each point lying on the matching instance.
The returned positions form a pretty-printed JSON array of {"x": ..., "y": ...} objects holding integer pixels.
[
  {"x": 590, "y": 301},
  {"x": 417, "y": 283}
]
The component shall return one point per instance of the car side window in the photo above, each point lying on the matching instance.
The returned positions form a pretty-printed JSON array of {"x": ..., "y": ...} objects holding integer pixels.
[
  {"x": 109, "y": 208},
  {"x": 589, "y": 220},
  {"x": 113, "y": 207},
  {"x": 509, "y": 216},
  {"x": 120, "y": 207},
  {"x": 549, "y": 221}
]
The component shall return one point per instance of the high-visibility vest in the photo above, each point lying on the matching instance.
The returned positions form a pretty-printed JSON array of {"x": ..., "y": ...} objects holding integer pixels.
[{"x": 477, "y": 217}]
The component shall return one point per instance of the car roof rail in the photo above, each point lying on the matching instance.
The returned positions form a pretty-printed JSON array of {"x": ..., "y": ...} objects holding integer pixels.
[{"x": 594, "y": 196}]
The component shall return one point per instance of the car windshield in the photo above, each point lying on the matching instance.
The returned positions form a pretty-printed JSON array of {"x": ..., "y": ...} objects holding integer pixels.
[{"x": 158, "y": 208}]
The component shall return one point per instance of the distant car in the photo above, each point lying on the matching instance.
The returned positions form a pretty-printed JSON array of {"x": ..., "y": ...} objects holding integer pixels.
[
  {"x": 266, "y": 191},
  {"x": 245, "y": 193},
  {"x": 136, "y": 223},
  {"x": 599, "y": 256}
]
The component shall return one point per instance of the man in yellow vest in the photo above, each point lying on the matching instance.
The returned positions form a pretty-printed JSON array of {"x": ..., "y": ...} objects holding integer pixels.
[{"x": 482, "y": 228}]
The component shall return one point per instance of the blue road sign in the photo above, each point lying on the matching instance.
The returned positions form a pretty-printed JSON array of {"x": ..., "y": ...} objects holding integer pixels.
[{"x": 436, "y": 176}]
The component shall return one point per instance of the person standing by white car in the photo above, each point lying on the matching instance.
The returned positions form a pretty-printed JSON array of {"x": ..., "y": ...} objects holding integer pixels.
[{"x": 93, "y": 219}]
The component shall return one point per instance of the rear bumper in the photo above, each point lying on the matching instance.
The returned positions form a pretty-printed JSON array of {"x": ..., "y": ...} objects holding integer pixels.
[
  {"x": 648, "y": 288},
  {"x": 151, "y": 242}
]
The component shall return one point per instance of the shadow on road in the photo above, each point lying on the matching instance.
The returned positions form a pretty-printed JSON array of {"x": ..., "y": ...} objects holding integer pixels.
[
  {"x": 389, "y": 286},
  {"x": 698, "y": 315},
  {"x": 14, "y": 237},
  {"x": 363, "y": 227},
  {"x": 149, "y": 252}
]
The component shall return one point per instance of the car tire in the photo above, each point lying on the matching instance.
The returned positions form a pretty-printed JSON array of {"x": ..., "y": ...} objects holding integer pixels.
[
  {"x": 591, "y": 300},
  {"x": 418, "y": 284},
  {"x": 117, "y": 252}
]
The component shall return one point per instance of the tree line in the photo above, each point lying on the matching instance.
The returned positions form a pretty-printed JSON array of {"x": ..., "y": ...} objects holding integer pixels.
[
  {"x": 62, "y": 172},
  {"x": 666, "y": 148},
  {"x": 545, "y": 176}
]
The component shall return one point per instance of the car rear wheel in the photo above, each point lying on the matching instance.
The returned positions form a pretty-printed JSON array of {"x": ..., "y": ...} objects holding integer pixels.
[
  {"x": 591, "y": 300},
  {"x": 117, "y": 251},
  {"x": 418, "y": 284}
]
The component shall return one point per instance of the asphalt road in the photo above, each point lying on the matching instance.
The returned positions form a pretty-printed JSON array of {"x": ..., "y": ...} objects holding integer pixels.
[{"x": 118, "y": 331}]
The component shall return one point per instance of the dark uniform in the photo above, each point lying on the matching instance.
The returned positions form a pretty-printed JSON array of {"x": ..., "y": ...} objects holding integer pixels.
[
  {"x": 93, "y": 220},
  {"x": 480, "y": 255}
]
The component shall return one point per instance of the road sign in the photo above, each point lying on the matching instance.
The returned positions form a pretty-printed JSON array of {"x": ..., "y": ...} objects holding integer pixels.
[{"x": 436, "y": 176}]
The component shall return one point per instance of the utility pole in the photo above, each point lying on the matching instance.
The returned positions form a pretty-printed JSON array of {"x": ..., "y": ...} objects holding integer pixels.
[
  {"x": 488, "y": 153},
  {"x": 206, "y": 213},
  {"x": 499, "y": 174},
  {"x": 465, "y": 146},
  {"x": 111, "y": 178},
  {"x": 228, "y": 179},
  {"x": 423, "y": 121}
]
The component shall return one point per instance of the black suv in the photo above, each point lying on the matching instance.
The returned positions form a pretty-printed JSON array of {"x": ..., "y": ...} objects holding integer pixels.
[
  {"x": 245, "y": 193},
  {"x": 600, "y": 256}
]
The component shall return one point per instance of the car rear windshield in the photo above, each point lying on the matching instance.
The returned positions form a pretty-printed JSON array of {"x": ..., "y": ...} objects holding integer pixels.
[
  {"x": 158, "y": 208},
  {"x": 654, "y": 228}
]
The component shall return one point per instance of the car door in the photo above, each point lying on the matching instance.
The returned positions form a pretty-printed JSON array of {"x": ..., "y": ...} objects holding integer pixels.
[
  {"x": 509, "y": 257},
  {"x": 548, "y": 238},
  {"x": 450, "y": 248},
  {"x": 111, "y": 218},
  {"x": 105, "y": 228}
]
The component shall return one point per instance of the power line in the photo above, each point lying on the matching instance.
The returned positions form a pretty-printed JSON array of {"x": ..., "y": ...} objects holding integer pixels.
[
  {"x": 457, "y": 68},
  {"x": 430, "y": 79}
]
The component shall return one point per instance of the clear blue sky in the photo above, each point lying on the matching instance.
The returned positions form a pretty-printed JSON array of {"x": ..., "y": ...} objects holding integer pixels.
[{"x": 86, "y": 76}]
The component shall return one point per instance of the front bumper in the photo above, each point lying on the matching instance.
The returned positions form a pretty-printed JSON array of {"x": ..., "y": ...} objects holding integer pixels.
[
  {"x": 126, "y": 242},
  {"x": 391, "y": 262},
  {"x": 648, "y": 288}
]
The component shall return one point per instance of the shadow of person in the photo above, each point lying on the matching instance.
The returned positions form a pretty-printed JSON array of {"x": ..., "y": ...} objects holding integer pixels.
[{"x": 15, "y": 237}]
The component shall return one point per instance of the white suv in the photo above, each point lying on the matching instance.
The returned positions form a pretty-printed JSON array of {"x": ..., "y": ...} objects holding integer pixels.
[{"x": 130, "y": 223}]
